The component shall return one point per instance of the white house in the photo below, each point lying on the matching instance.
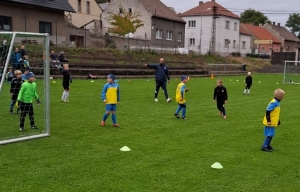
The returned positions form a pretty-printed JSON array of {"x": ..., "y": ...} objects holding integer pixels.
[
  {"x": 198, "y": 29},
  {"x": 245, "y": 41}
]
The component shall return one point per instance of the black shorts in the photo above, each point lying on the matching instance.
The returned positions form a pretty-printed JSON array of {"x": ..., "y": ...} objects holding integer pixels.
[
  {"x": 66, "y": 85},
  {"x": 248, "y": 86}
]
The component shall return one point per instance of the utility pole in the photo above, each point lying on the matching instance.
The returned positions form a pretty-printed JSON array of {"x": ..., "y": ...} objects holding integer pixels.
[{"x": 213, "y": 30}]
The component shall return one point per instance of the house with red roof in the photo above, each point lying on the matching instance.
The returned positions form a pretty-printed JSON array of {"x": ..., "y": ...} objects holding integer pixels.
[
  {"x": 198, "y": 29},
  {"x": 162, "y": 28},
  {"x": 245, "y": 41},
  {"x": 263, "y": 35}
]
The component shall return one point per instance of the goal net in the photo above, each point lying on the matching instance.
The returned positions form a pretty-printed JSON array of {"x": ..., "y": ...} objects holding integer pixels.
[
  {"x": 24, "y": 86},
  {"x": 291, "y": 74}
]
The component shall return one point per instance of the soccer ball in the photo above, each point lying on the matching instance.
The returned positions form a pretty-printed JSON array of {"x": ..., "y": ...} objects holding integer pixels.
[{"x": 51, "y": 77}]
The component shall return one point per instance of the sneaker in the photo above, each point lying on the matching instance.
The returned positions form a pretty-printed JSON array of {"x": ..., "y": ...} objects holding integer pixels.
[
  {"x": 183, "y": 118},
  {"x": 176, "y": 115},
  {"x": 224, "y": 117},
  {"x": 169, "y": 100},
  {"x": 11, "y": 111},
  {"x": 102, "y": 123},
  {"x": 156, "y": 100},
  {"x": 63, "y": 100},
  {"x": 266, "y": 149},
  {"x": 116, "y": 125},
  {"x": 67, "y": 101},
  {"x": 34, "y": 127},
  {"x": 22, "y": 129},
  {"x": 270, "y": 148}
]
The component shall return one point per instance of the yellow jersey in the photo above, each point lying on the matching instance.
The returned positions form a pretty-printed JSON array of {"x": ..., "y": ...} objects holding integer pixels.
[
  {"x": 180, "y": 93},
  {"x": 111, "y": 93},
  {"x": 274, "y": 108}
]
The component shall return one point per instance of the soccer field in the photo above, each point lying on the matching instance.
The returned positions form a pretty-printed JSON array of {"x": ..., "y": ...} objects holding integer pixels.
[{"x": 167, "y": 154}]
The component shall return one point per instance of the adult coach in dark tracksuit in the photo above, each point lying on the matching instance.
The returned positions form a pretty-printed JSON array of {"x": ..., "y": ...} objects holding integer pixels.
[{"x": 161, "y": 77}]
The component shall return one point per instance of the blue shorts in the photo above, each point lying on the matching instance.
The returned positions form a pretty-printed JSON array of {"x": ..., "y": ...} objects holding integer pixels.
[
  {"x": 269, "y": 131},
  {"x": 111, "y": 107}
]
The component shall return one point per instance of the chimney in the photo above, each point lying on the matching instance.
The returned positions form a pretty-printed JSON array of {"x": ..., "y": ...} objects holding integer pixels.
[
  {"x": 274, "y": 23},
  {"x": 278, "y": 24},
  {"x": 200, "y": 2},
  {"x": 213, "y": 0}
]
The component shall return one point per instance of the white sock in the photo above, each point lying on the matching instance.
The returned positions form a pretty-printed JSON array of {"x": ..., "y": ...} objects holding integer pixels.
[
  {"x": 248, "y": 91},
  {"x": 245, "y": 91},
  {"x": 63, "y": 95},
  {"x": 67, "y": 95}
]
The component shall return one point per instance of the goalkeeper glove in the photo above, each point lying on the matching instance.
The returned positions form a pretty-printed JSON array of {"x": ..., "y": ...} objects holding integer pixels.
[
  {"x": 71, "y": 80},
  {"x": 17, "y": 104},
  {"x": 38, "y": 101}
]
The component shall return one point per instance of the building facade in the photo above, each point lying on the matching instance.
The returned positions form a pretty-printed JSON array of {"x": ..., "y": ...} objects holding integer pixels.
[{"x": 35, "y": 17}]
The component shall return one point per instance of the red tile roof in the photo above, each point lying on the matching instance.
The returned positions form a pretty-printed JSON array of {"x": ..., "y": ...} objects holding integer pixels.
[
  {"x": 244, "y": 31},
  {"x": 202, "y": 10},
  {"x": 261, "y": 33},
  {"x": 158, "y": 9}
]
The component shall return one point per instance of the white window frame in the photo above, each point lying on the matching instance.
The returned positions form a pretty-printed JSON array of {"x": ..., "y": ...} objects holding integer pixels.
[
  {"x": 227, "y": 24},
  {"x": 169, "y": 35},
  {"x": 226, "y": 43},
  {"x": 192, "y": 24},
  {"x": 159, "y": 34},
  {"x": 191, "y": 41},
  {"x": 234, "y": 43},
  {"x": 88, "y": 7},
  {"x": 7, "y": 27},
  {"x": 79, "y": 8},
  {"x": 179, "y": 36},
  {"x": 243, "y": 44},
  {"x": 235, "y": 26}
]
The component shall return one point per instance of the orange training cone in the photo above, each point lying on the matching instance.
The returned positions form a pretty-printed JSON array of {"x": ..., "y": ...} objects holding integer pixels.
[{"x": 212, "y": 76}]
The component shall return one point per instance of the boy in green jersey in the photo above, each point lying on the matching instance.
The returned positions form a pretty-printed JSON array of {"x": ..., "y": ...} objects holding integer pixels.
[{"x": 24, "y": 101}]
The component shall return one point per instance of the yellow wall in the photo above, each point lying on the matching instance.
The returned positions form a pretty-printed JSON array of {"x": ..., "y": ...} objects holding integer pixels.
[{"x": 81, "y": 18}]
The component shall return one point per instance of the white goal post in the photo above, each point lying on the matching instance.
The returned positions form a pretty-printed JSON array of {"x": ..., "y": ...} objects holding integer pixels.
[
  {"x": 37, "y": 44},
  {"x": 291, "y": 73}
]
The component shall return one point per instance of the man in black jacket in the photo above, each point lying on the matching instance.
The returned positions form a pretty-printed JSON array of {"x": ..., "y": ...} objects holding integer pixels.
[{"x": 161, "y": 77}]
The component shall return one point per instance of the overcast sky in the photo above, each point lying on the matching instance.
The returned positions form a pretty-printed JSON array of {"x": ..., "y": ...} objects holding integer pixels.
[{"x": 281, "y": 8}]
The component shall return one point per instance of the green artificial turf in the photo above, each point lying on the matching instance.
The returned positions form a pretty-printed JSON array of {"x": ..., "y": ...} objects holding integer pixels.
[{"x": 167, "y": 154}]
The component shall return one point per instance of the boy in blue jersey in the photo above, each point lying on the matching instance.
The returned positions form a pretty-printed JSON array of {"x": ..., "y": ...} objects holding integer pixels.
[
  {"x": 180, "y": 97},
  {"x": 271, "y": 119},
  {"x": 9, "y": 75},
  {"x": 24, "y": 75},
  {"x": 111, "y": 97}
]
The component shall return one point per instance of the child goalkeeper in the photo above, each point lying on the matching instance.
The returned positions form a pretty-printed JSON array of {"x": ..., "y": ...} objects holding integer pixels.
[
  {"x": 111, "y": 97},
  {"x": 24, "y": 101},
  {"x": 180, "y": 97}
]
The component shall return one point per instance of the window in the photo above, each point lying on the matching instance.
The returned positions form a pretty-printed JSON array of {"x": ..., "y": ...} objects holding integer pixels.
[
  {"x": 45, "y": 27},
  {"x": 129, "y": 10},
  {"x": 270, "y": 50},
  {"x": 179, "y": 37},
  {"x": 120, "y": 10},
  {"x": 235, "y": 26},
  {"x": 234, "y": 44},
  {"x": 192, "y": 24},
  {"x": 227, "y": 24},
  {"x": 159, "y": 33},
  {"x": 276, "y": 50},
  {"x": 79, "y": 5},
  {"x": 226, "y": 43},
  {"x": 5, "y": 23},
  {"x": 263, "y": 49},
  {"x": 88, "y": 11},
  {"x": 243, "y": 44},
  {"x": 169, "y": 35},
  {"x": 192, "y": 41}
]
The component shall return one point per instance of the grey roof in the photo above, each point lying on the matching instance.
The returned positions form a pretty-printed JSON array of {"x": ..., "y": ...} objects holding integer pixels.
[
  {"x": 284, "y": 32},
  {"x": 62, "y": 5}
]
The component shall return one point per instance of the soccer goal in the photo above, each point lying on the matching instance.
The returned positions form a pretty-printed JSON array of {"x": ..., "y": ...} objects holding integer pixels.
[
  {"x": 24, "y": 54},
  {"x": 291, "y": 74}
]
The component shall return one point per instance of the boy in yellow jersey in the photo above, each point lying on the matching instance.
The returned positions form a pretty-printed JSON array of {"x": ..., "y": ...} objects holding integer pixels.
[
  {"x": 111, "y": 97},
  {"x": 271, "y": 119},
  {"x": 180, "y": 97}
]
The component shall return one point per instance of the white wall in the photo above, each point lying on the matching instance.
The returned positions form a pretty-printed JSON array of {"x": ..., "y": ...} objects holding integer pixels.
[
  {"x": 221, "y": 34},
  {"x": 247, "y": 49},
  {"x": 135, "y": 5}
]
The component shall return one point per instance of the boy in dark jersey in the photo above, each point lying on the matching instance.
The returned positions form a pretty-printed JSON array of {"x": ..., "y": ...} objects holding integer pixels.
[
  {"x": 15, "y": 89},
  {"x": 220, "y": 94},
  {"x": 66, "y": 82}
]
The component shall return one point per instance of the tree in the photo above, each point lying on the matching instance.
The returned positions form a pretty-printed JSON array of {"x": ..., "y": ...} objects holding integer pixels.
[
  {"x": 252, "y": 16},
  {"x": 124, "y": 22},
  {"x": 293, "y": 22}
]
